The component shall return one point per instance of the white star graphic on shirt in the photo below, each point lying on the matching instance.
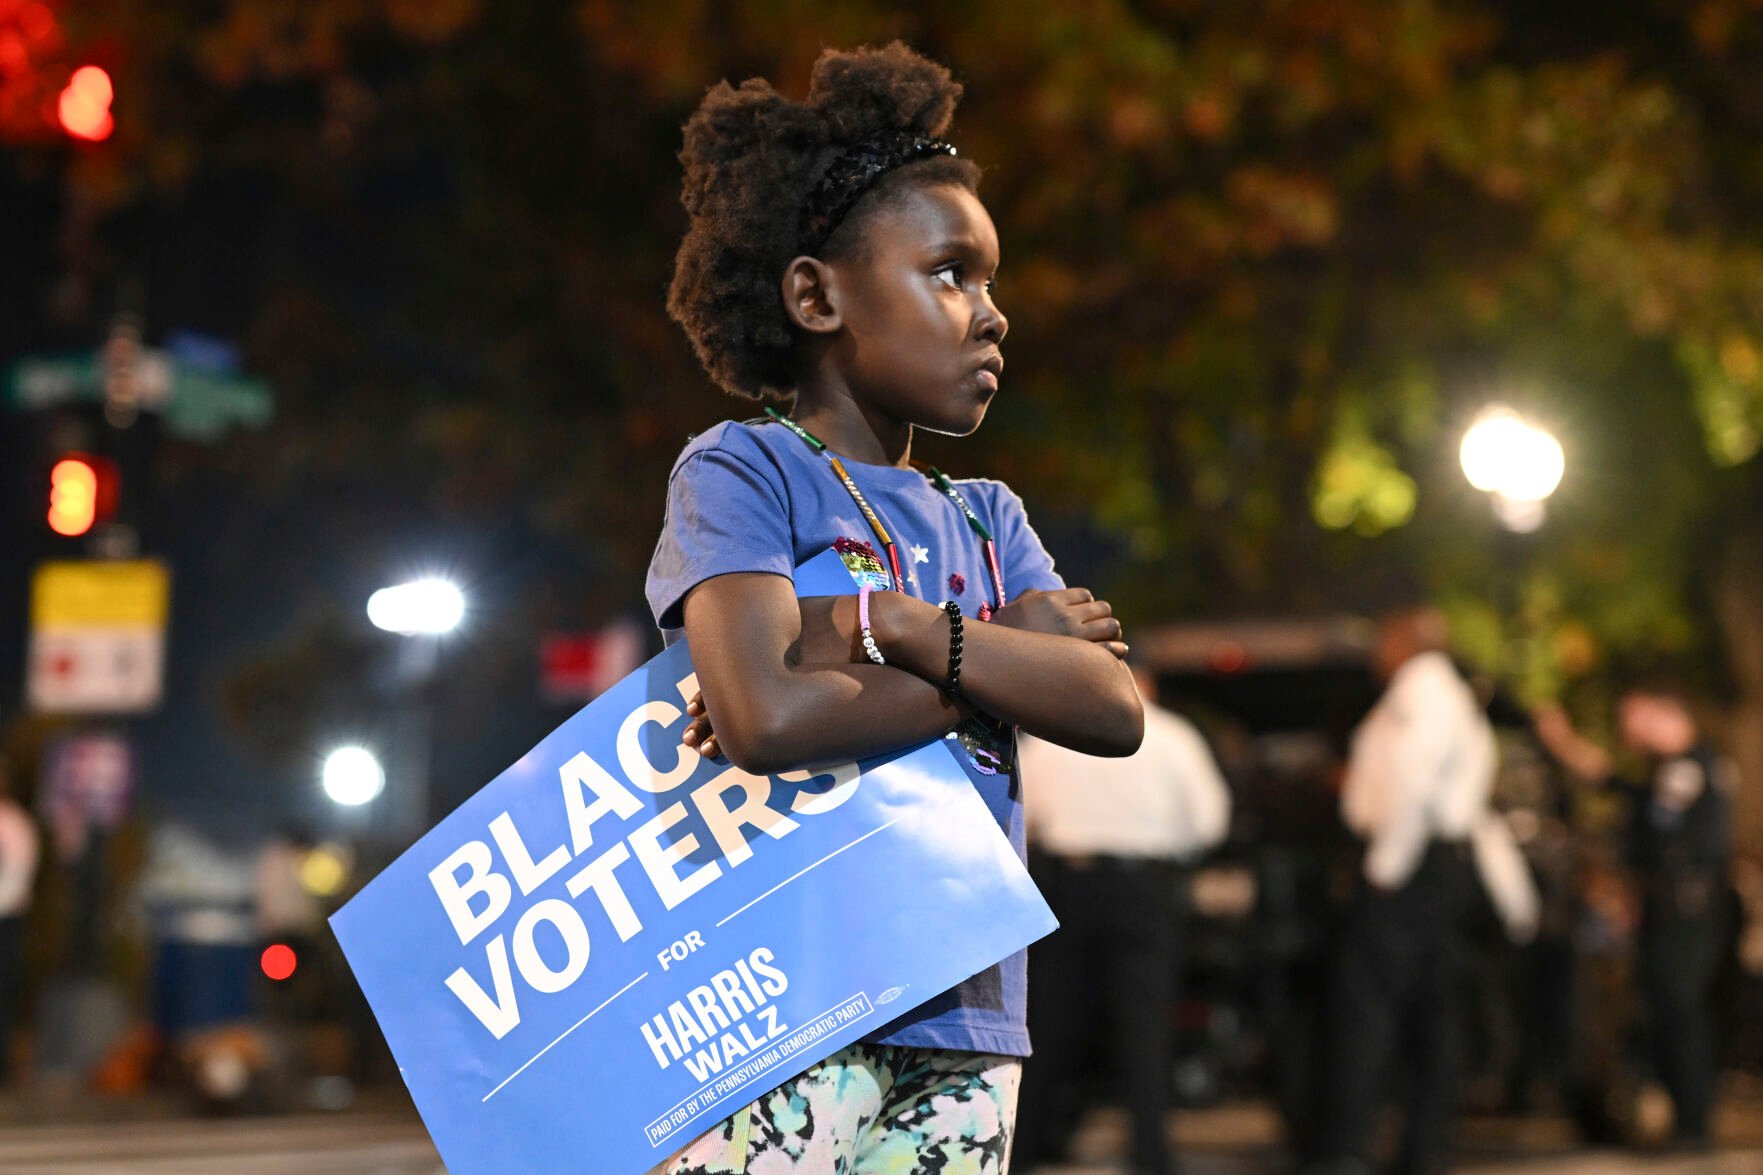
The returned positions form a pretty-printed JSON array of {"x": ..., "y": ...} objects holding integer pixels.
[{"x": 921, "y": 554}]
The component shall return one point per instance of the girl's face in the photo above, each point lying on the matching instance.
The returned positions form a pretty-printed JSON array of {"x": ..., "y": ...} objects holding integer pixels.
[{"x": 921, "y": 334}]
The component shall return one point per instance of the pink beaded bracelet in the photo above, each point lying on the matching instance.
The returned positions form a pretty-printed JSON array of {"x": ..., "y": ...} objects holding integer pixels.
[{"x": 863, "y": 625}]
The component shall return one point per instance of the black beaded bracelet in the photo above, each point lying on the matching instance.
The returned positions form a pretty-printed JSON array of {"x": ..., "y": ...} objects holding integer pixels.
[{"x": 954, "y": 679}]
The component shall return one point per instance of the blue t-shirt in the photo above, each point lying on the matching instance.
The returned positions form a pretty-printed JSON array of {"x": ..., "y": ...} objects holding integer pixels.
[{"x": 755, "y": 497}]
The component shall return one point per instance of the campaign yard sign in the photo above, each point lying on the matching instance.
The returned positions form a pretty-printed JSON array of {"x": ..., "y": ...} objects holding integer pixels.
[{"x": 616, "y": 944}]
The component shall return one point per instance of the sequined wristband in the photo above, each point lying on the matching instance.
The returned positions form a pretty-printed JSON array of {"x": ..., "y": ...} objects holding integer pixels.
[{"x": 863, "y": 625}]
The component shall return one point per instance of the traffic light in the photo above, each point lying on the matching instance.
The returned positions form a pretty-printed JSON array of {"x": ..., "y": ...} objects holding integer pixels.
[
  {"x": 82, "y": 493},
  {"x": 84, "y": 106}
]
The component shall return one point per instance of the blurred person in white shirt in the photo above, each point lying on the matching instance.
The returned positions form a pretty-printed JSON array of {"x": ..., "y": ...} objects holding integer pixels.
[
  {"x": 1107, "y": 839},
  {"x": 286, "y": 908},
  {"x": 1416, "y": 791},
  {"x": 18, "y": 870}
]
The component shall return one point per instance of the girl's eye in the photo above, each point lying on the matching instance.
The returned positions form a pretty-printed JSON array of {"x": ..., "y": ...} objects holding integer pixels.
[{"x": 953, "y": 275}]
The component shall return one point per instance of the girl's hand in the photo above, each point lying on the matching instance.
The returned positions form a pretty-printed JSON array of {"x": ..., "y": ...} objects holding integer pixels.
[
  {"x": 699, "y": 735},
  {"x": 1072, "y": 611}
]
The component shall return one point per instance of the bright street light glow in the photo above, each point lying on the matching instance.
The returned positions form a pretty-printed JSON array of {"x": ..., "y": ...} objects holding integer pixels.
[
  {"x": 352, "y": 776},
  {"x": 1519, "y": 516},
  {"x": 425, "y": 606},
  {"x": 1504, "y": 454}
]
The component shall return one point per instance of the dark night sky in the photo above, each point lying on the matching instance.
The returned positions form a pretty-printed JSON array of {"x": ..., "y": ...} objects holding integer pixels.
[{"x": 257, "y": 560}]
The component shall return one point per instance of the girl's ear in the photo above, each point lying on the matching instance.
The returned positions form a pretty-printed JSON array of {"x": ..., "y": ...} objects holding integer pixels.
[{"x": 811, "y": 295}]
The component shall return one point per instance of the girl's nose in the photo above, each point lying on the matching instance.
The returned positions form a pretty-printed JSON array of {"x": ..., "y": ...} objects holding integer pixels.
[{"x": 990, "y": 325}]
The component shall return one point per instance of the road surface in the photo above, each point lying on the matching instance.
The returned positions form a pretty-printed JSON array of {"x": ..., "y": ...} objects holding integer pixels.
[{"x": 1229, "y": 1141}]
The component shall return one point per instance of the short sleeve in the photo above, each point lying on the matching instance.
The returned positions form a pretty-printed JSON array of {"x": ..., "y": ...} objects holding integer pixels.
[
  {"x": 723, "y": 516},
  {"x": 1025, "y": 561}
]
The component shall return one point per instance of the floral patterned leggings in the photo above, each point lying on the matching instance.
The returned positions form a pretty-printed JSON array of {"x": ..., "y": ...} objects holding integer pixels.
[{"x": 870, "y": 1109}]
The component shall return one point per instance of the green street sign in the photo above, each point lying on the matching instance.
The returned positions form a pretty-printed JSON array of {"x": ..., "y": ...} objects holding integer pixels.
[{"x": 195, "y": 403}]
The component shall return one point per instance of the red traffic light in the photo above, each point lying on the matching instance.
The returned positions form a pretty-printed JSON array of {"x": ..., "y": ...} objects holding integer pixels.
[
  {"x": 279, "y": 961},
  {"x": 82, "y": 493},
  {"x": 84, "y": 106}
]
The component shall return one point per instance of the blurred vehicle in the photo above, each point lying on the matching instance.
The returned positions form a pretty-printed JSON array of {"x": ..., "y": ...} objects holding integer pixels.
[{"x": 1278, "y": 701}]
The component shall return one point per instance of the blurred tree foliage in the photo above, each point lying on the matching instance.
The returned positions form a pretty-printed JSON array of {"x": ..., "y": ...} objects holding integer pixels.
[{"x": 1264, "y": 261}]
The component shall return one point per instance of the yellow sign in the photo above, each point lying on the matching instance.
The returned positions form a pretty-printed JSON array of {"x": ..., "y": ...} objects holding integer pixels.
[{"x": 97, "y": 594}]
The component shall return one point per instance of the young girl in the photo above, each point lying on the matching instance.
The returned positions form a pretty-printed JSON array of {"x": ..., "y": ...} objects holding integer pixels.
[{"x": 838, "y": 254}]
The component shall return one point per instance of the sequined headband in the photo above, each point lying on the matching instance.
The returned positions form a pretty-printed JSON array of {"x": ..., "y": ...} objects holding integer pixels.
[{"x": 853, "y": 173}]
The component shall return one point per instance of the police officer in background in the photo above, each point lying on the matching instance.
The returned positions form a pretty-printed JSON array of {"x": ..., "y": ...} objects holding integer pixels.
[
  {"x": 1679, "y": 847},
  {"x": 1107, "y": 839},
  {"x": 1416, "y": 790}
]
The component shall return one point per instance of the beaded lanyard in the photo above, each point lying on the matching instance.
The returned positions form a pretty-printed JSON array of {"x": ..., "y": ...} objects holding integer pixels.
[
  {"x": 941, "y": 482},
  {"x": 985, "y": 536}
]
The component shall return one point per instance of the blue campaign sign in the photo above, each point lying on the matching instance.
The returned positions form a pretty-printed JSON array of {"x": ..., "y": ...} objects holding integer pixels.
[{"x": 615, "y": 944}]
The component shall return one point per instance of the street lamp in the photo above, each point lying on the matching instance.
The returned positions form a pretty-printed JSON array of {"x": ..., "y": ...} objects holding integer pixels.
[
  {"x": 1515, "y": 462},
  {"x": 427, "y": 607},
  {"x": 422, "y": 611},
  {"x": 352, "y": 776}
]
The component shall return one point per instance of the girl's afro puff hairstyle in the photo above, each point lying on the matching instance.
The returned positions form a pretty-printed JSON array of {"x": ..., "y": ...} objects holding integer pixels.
[{"x": 751, "y": 159}]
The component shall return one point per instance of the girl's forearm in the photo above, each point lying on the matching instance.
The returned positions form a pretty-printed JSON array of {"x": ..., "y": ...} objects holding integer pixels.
[
  {"x": 1068, "y": 691},
  {"x": 831, "y": 713},
  {"x": 821, "y": 702}
]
